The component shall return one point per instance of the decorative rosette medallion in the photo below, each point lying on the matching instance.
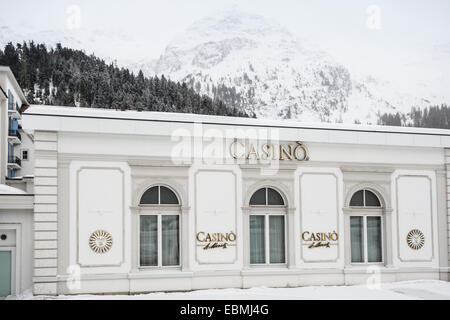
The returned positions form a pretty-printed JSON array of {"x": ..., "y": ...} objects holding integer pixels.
[
  {"x": 415, "y": 239},
  {"x": 100, "y": 241}
]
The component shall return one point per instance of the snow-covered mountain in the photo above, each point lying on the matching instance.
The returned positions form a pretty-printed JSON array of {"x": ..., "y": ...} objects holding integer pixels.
[
  {"x": 277, "y": 75},
  {"x": 258, "y": 65}
]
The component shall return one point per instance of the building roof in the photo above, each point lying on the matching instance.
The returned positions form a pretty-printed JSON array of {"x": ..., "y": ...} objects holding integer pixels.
[
  {"x": 8, "y": 190},
  {"x": 112, "y": 122},
  {"x": 15, "y": 199},
  {"x": 93, "y": 113},
  {"x": 12, "y": 79}
]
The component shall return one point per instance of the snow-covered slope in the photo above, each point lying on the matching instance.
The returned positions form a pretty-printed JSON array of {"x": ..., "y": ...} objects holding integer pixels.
[{"x": 275, "y": 74}]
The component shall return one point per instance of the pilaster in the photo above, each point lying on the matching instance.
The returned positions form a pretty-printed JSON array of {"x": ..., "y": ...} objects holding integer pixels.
[
  {"x": 447, "y": 166},
  {"x": 45, "y": 213}
]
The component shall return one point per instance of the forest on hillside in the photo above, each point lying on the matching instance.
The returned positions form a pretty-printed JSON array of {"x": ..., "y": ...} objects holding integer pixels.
[
  {"x": 68, "y": 77},
  {"x": 430, "y": 117}
]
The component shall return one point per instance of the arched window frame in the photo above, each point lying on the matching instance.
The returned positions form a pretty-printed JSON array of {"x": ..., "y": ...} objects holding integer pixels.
[
  {"x": 159, "y": 197},
  {"x": 267, "y": 211},
  {"x": 159, "y": 211},
  {"x": 364, "y": 212},
  {"x": 364, "y": 191},
  {"x": 266, "y": 188}
]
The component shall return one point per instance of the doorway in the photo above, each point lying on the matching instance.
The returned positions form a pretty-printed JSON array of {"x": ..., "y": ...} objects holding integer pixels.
[
  {"x": 7, "y": 260},
  {"x": 5, "y": 272}
]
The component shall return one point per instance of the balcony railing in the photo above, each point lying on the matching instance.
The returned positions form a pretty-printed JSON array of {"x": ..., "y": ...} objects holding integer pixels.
[
  {"x": 14, "y": 133},
  {"x": 15, "y": 160},
  {"x": 14, "y": 111}
]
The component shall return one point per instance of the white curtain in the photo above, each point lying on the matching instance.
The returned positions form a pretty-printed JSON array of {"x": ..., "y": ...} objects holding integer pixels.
[
  {"x": 170, "y": 240},
  {"x": 276, "y": 239},
  {"x": 374, "y": 239},
  {"x": 149, "y": 240},
  {"x": 357, "y": 239},
  {"x": 257, "y": 239}
]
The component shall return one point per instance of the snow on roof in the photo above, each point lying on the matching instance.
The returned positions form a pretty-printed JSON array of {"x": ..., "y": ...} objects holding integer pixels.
[
  {"x": 7, "y": 190},
  {"x": 211, "y": 119}
]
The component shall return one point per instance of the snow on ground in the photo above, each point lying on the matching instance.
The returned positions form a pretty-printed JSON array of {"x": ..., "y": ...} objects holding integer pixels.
[{"x": 405, "y": 290}]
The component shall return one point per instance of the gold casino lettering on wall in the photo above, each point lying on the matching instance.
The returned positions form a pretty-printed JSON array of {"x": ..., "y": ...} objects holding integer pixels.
[
  {"x": 216, "y": 240},
  {"x": 319, "y": 239},
  {"x": 297, "y": 151}
]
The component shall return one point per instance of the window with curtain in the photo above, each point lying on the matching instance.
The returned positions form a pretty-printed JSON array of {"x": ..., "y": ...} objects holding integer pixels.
[
  {"x": 267, "y": 228},
  {"x": 366, "y": 243},
  {"x": 159, "y": 230}
]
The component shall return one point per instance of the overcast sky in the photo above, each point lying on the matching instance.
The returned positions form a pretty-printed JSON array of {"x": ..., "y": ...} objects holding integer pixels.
[{"x": 351, "y": 30}]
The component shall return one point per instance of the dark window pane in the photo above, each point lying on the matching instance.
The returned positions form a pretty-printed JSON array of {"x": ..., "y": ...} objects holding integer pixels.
[
  {"x": 274, "y": 198},
  {"x": 150, "y": 196},
  {"x": 371, "y": 199},
  {"x": 170, "y": 241},
  {"x": 357, "y": 239},
  {"x": 259, "y": 198},
  {"x": 374, "y": 239},
  {"x": 357, "y": 199},
  {"x": 149, "y": 241},
  {"x": 257, "y": 239},
  {"x": 168, "y": 196},
  {"x": 276, "y": 239}
]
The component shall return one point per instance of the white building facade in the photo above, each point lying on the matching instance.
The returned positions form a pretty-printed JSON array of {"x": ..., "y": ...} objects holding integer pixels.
[
  {"x": 16, "y": 190},
  {"x": 131, "y": 202},
  {"x": 103, "y": 201}
]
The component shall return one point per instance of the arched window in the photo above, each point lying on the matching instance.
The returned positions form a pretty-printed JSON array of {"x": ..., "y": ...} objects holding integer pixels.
[
  {"x": 159, "y": 195},
  {"x": 366, "y": 224},
  {"x": 159, "y": 226},
  {"x": 267, "y": 225},
  {"x": 266, "y": 197},
  {"x": 364, "y": 198}
]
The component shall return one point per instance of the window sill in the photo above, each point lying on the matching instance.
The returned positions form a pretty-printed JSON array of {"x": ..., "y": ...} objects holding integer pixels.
[
  {"x": 267, "y": 265},
  {"x": 158, "y": 268},
  {"x": 268, "y": 270},
  {"x": 144, "y": 273}
]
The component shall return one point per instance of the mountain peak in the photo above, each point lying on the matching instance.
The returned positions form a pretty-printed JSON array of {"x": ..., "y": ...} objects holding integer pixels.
[
  {"x": 228, "y": 24},
  {"x": 234, "y": 19},
  {"x": 271, "y": 72}
]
